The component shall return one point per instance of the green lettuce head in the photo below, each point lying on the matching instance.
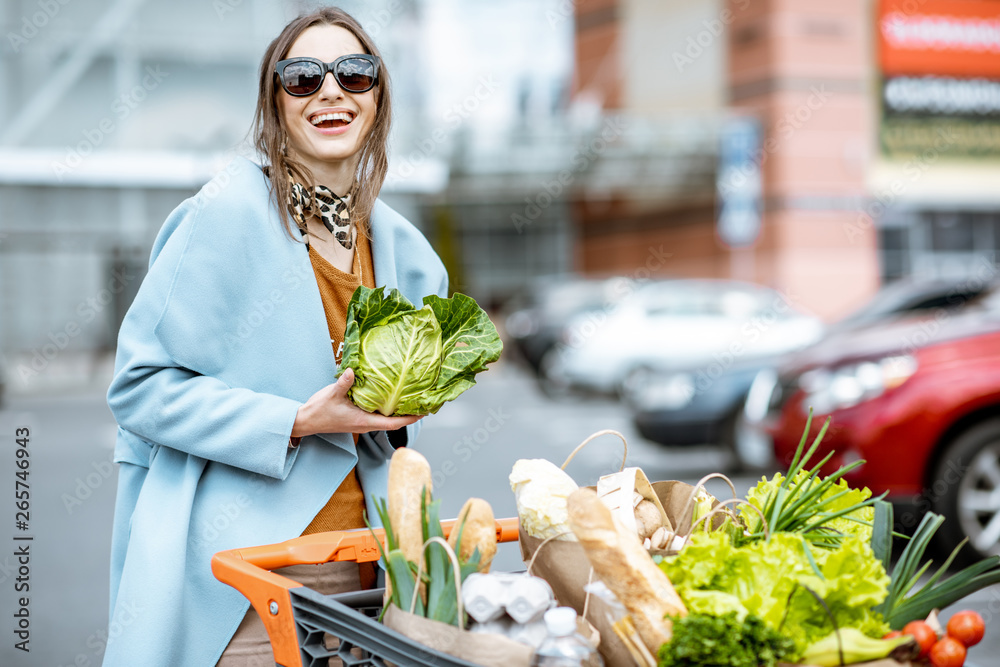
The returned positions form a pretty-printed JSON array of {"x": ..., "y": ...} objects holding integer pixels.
[
  {"x": 769, "y": 578},
  {"x": 410, "y": 361}
]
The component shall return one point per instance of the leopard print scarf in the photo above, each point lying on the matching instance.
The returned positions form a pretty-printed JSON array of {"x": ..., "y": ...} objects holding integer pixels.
[{"x": 332, "y": 209}]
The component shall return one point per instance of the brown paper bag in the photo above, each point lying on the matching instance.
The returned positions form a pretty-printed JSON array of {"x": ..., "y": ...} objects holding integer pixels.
[
  {"x": 676, "y": 500},
  {"x": 675, "y": 496},
  {"x": 479, "y": 648},
  {"x": 565, "y": 566}
]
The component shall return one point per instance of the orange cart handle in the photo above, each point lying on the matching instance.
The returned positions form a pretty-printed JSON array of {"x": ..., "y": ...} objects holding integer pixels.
[{"x": 247, "y": 570}]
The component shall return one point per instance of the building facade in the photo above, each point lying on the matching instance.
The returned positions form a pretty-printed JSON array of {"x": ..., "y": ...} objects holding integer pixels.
[{"x": 876, "y": 157}]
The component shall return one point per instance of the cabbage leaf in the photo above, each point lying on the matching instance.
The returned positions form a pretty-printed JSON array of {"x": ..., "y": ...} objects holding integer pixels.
[{"x": 408, "y": 360}]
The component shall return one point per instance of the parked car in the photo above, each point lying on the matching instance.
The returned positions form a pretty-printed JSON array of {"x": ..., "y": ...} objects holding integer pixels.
[
  {"x": 917, "y": 398},
  {"x": 538, "y": 315},
  {"x": 911, "y": 295},
  {"x": 673, "y": 323},
  {"x": 694, "y": 405}
]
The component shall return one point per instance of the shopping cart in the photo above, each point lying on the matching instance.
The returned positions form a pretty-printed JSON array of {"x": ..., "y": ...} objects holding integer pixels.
[{"x": 296, "y": 617}]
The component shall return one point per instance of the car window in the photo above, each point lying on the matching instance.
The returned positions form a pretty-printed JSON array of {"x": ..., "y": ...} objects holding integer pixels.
[
  {"x": 953, "y": 299},
  {"x": 903, "y": 298}
]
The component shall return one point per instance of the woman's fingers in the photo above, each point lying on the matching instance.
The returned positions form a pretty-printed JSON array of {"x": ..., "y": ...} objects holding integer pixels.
[
  {"x": 380, "y": 423},
  {"x": 363, "y": 421},
  {"x": 344, "y": 382}
]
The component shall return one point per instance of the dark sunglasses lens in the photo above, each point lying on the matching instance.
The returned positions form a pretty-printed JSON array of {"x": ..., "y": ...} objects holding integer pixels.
[
  {"x": 302, "y": 78},
  {"x": 356, "y": 75}
]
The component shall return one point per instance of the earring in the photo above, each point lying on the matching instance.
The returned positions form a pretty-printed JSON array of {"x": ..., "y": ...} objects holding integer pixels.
[{"x": 284, "y": 144}]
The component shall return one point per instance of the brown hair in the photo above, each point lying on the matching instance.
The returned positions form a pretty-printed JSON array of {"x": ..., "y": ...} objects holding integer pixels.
[{"x": 270, "y": 134}]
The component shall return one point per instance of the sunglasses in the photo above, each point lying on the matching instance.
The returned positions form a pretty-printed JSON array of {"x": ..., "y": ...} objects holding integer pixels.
[{"x": 356, "y": 73}]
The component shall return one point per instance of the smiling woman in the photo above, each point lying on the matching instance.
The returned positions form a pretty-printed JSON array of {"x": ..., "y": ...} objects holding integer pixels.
[
  {"x": 228, "y": 441},
  {"x": 329, "y": 124}
]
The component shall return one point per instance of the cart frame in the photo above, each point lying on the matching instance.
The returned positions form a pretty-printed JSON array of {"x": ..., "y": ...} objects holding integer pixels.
[{"x": 248, "y": 571}]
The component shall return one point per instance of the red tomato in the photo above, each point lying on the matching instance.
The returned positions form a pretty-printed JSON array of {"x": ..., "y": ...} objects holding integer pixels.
[
  {"x": 948, "y": 652},
  {"x": 893, "y": 634},
  {"x": 967, "y": 627},
  {"x": 923, "y": 633}
]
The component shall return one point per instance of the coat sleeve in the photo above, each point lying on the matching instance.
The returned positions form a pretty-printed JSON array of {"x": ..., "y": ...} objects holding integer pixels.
[{"x": 165, "y": 403}]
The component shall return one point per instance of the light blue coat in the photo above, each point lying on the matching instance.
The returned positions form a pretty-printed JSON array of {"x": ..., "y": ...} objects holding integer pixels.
[{"x": 226, "y": 338}]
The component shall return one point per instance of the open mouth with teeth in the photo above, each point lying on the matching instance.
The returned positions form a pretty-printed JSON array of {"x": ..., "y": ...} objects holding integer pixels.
[{"x": 331, "y": 120}]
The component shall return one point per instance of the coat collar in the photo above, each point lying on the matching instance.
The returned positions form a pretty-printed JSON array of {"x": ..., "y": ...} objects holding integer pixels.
[{"x": 382, "y": 239}]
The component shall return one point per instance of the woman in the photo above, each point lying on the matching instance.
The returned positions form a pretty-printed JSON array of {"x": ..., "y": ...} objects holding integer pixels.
[{"x": 233, "y": 429}]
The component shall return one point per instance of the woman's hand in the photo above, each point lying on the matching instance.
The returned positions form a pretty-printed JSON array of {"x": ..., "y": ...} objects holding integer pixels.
[{"x": 329, "y": 410}]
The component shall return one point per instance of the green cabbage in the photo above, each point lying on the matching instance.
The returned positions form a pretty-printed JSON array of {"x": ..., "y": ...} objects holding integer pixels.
[
  {"x": 769, "y": 578},
  {"x": 410, "y": 361}
]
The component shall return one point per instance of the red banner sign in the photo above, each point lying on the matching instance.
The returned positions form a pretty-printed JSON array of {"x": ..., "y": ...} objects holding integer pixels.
[{"x": 944, "y": 37}]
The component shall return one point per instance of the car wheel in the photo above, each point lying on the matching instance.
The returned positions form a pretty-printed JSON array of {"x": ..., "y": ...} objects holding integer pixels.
[{"x": 966, "y": 491}]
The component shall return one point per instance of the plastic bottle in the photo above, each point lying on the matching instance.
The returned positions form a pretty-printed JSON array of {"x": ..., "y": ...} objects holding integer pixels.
[{"x": 563, "y": 647}]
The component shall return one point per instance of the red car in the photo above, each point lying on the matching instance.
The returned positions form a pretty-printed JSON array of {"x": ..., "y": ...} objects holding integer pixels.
[{"x": 917, "y": 398}]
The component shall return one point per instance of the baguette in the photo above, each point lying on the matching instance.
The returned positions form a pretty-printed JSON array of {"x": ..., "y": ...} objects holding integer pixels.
[
  {"x": 620, "y": 561},
  {"x": 479, "y": 531},
  {"x": 409, "y": 476}
]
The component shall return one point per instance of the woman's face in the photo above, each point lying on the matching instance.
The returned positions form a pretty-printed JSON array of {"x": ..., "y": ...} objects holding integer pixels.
[{"x": 324, "y": 148}]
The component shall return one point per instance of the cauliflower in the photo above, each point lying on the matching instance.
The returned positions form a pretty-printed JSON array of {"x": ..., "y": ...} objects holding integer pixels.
[{"x": 540, "y": 489}]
